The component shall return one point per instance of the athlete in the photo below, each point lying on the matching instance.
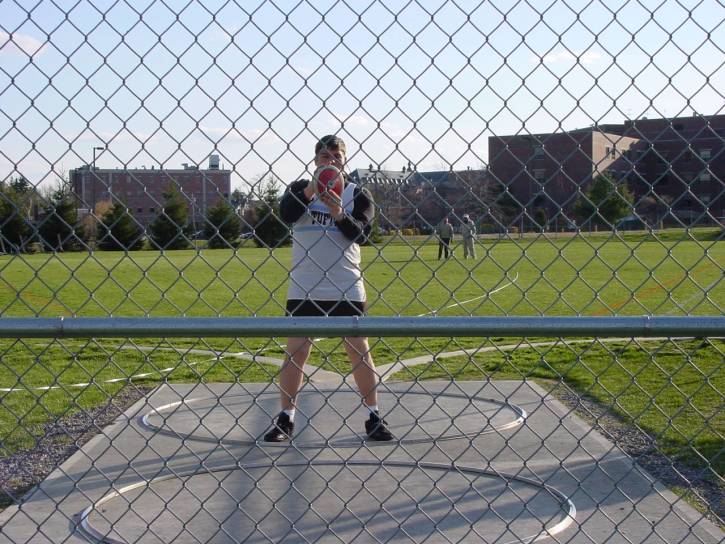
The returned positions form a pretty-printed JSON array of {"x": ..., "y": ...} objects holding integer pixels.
[{"x": 326, "y": 280}]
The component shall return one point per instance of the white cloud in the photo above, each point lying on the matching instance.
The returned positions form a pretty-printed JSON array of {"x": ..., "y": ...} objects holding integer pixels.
[
  {"x": 220, "y": 131},
  {"x": 359, "y": 120},
  {"x": 587, "y": 57},
  {"x": 20, "y": 43}
]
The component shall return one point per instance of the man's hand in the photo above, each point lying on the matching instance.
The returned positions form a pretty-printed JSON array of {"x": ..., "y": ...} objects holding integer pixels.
[{"x": 334, "y": 204}]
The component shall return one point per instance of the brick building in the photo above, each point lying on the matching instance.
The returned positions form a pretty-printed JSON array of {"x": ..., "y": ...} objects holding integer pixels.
[
  {"x": 546, "y": 170},
  {"x": 142, "y": 189},
  {"x": 681, "y": 160},
  {"x": 677, "y": 162}
]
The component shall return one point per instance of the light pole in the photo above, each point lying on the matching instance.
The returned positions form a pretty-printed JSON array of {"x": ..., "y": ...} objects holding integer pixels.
[
  {"x": 93, "y": 173},
  {"x": 96, "y": 148}
]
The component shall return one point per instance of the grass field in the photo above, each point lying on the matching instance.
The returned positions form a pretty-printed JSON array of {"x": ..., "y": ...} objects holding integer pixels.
[
  {"x": 532, "y": 276},
  {"x": 672, "y": 390}
]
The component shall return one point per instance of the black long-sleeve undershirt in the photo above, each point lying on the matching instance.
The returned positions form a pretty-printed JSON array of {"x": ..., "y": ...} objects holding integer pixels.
[{"x": 356, "y": 226}]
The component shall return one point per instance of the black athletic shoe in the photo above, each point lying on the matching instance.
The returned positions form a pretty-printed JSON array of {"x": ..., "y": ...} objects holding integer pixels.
[
  {"x": 282, "y": 430},
  {"x": 376, "y": 429}
]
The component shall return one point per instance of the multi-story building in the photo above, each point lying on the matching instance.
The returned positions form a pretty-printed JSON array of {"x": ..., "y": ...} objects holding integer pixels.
[
  {"x": 674, "y": 167},
  {"x": 682, "y": 161},
  {"x": 142, "y": 189},
  {"x": 549, "y": 170}
]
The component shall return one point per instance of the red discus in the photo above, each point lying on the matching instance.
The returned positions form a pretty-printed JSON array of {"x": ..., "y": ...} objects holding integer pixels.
[{"x": 328, "y": 179}]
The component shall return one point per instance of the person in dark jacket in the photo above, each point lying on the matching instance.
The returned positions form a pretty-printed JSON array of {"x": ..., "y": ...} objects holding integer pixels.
[
  {"x": 445, "y": 234},
  {"x": 326, "y": 280}
]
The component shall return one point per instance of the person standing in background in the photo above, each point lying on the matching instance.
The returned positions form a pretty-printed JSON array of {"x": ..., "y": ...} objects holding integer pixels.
[
  {"x": 445, "y": 235},
  {"x": 468, "y": 231}
]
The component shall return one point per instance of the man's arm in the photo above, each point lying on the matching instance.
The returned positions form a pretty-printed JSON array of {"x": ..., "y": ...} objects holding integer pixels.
[
  {"x": 294, "y": 202},
  {"x": 357, "y": 225}
]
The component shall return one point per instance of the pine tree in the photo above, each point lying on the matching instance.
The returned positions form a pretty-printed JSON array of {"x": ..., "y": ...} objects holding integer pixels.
[
  {"x": 606, "y": 202},
  {"x": 119, "y": 230},
  {"x": 60, "y": 229},
  {"x": 269, "y": 229},
  {"x": 222, "y": 226},
  {"x": 171, "y": 228},
  {"x": 14, "y": 222}
]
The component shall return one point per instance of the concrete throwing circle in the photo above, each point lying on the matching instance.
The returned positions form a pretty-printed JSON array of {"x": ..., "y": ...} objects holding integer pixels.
[
  {"x": 334, "y": 418},
  {"x": 330, "y": 501}
]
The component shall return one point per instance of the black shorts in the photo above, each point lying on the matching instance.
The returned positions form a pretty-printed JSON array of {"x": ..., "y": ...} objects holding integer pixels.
[{"x": 325, "y": 308}]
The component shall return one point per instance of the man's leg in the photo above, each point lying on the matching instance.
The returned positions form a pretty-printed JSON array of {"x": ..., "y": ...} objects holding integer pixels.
[
  {"x": 440, "y": 248},
  {"x": 290, "y": 380},
  {"x": 290, "y": 377},
  {"x": 363, "y": 368}
]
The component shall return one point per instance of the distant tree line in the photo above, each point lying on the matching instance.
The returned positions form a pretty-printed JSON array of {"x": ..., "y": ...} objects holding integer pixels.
[
  {"x": 50, "y": 219},
  {"x": 32, "y": 220}
]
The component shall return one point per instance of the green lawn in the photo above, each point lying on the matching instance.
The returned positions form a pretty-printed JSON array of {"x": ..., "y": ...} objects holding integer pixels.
[
  {"x": 532, "y": 276},
  {"x": 104, "y": 367}
]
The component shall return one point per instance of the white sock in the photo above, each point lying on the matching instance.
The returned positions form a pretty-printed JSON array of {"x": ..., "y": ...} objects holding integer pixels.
[
  {"x": 291, "y": 413},
  {"x": 373, "y": 407}
]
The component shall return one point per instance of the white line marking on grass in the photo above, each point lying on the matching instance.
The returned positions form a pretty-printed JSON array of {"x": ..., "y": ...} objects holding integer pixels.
[
  {"x": 386, "y": 371},
  {"x": 702, "y": 294},
  {"x": 282, "y": 346},
  {"x": 516, "y": 278},
  {"x": 112, "y": 380}
]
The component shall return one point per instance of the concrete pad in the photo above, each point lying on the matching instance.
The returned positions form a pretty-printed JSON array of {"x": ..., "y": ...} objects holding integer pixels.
[{"x": 183, "y": 466}]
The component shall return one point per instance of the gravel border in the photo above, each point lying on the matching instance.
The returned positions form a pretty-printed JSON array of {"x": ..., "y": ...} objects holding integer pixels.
[
  {"x": 60, "y": 439},
  {"x": 705, "y": 493}
]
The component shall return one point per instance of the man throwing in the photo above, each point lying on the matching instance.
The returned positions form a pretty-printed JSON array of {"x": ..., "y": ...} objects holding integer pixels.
[{"x": 326, "y": 280}]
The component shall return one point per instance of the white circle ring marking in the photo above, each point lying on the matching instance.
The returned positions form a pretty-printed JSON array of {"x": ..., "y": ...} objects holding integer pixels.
[
  {"x": 565, "y": 503},
  {"x": 520, "y": 413}
]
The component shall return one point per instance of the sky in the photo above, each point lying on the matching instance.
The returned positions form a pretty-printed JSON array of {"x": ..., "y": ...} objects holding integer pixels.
[{"x": 169, "y": 82}]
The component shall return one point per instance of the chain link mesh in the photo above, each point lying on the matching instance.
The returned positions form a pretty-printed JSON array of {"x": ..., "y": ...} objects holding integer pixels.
[{"x": 524, "y": 159}]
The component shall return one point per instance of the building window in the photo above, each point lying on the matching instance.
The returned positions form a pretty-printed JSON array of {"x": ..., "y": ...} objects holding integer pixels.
[
  {"x": 152, "y": 210},
  {"x": 705, "y": 199},
  {"x": 139, "y": 210},
  {"x": 539, "y": 174},
  {"x": 705, "y": 154},
  {"x": 538, "y": 151},
  {"x": 705, "y": 175}
]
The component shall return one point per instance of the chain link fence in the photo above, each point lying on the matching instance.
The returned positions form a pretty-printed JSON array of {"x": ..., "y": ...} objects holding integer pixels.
[{"x": 519, "y": 185}]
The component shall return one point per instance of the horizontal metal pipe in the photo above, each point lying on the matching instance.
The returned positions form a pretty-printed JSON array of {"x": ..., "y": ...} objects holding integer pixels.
[{"x": 122, "y": 327}]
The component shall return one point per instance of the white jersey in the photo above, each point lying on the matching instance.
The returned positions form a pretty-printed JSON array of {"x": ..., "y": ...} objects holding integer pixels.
[{"x": 325, "y": 263}]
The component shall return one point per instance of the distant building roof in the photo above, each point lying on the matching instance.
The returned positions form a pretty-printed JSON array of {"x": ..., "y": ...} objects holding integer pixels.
[
  {"x": 383, "y": 177},
  {"x": 435, "y": 178}
]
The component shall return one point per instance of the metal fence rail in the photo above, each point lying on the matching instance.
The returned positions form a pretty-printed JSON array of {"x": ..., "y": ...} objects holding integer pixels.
[{"x": 600, "y": 327}]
